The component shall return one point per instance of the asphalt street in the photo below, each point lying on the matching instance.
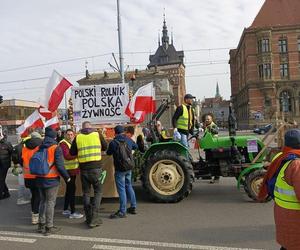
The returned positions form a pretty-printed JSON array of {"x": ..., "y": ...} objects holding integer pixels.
[{"x": 214, "y": 216}]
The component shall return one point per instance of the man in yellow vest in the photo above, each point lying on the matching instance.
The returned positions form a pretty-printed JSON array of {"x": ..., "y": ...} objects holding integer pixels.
[
  {"x": 184, "y": 119},
  {"x": 287, "y": 194},
  {"x": 72, "y": 166},
  {"x": 88, "y": 146}
]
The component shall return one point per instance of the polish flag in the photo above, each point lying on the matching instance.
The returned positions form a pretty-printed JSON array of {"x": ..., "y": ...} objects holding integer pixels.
[
  {"x": 142, "y": 103},
  {"x": 45, "y": 113},
  {"x": 53, "y": 123},
  {"x": 35, "y": 120},
  {"x": 55, "y": 91}
]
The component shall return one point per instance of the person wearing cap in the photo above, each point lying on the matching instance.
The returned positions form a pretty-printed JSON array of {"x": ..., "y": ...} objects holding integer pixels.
[
  {"x": 286, "y": 191},
  {"x": 122, "y": 178},
  {"x": 28, "y": 148},
  {"x": 87, "y": 146},
  {"x": 48, "y": 184},
  {"x": 183, "y": 119}
]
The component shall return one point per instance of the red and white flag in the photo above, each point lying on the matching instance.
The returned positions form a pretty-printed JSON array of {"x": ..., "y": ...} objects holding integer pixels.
[
  {"x": 55, "y": 91},
  {"x": 35, "y": 120},
  {"x": 53, "y": 123},
  {"x": 45, "y": 113},
  {"x": 142, "y": 103}
]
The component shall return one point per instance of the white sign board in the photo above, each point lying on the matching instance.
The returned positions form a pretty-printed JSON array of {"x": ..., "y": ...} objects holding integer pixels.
[
  {"x": 100, "y": 104},
  {"x": 252, "y": 146}
]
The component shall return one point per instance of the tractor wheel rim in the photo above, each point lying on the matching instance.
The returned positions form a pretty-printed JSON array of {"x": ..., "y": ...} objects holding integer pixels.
[
  {"x": 166, "y": 177},
  {"x": 256, "y": 185}
]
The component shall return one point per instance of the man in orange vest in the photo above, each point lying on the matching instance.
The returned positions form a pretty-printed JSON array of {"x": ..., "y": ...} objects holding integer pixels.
[
  {"x": 48, "y": 184},
  {"x": 29, "y": 147}
]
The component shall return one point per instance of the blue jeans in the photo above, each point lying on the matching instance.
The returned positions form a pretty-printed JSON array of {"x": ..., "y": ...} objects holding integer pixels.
[
  {"x": 125, "y": 190},
  {"x": 184, "y": 140}
]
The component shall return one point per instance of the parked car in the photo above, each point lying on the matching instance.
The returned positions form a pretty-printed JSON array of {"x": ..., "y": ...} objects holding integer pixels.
[{"x": 263, "y": 130}]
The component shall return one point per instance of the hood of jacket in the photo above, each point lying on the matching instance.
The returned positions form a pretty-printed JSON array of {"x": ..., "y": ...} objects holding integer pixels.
[
  {"x": 33, "y": 142},
  {"x": 120, "y": 137},
  {"x": 48, "y": 142}
]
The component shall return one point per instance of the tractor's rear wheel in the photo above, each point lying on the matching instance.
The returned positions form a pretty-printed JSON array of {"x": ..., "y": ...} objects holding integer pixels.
[
  {"x": 253, "y": 182},
  {"x": 167, "y": 176}
]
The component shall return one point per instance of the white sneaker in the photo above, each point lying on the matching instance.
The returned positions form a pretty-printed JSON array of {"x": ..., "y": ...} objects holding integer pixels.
[
  {"x": 22, "y": 201},
  {"x": 76, "y": 215},
  {"x": 66, "y": 212},
  {"x": 34, "y": 219}
]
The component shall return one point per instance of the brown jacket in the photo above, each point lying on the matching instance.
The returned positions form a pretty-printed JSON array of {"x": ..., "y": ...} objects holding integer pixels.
[{"x": 288, "y": 221}]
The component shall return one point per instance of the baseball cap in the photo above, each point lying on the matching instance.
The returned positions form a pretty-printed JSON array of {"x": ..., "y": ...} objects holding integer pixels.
[{"x": 189, "y": 96}]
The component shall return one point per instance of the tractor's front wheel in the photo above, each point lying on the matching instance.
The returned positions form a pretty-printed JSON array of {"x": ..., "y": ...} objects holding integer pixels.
[
  {"x": 167, "y": 176},
  {"x": 253, "y": 183}
]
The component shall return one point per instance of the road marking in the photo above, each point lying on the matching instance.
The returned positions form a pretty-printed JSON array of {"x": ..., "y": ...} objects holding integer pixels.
[
  {"x": 125, "y": 242},
  {"x": 107, "y": 247},
  {"x": 23, "y": 240},
  {"x": 12, "y": 189}
]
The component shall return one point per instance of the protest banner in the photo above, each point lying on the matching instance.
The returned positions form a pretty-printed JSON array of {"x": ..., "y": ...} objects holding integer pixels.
[{"x": 100, "y": 104}]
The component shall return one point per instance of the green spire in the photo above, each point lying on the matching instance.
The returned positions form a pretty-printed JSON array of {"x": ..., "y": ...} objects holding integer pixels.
[{"x": 217, "y": 91}]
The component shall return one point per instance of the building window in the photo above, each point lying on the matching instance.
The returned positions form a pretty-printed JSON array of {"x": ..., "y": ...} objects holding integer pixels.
[
  {"x": 299, "y": 43},
  {"x": 284, "y": 70},
  {"x": 263, "y": 45},
  {"x": 265, "y": 71},
  {"x": 282, "y": 43},
  {"x": 285, "y": 102}
]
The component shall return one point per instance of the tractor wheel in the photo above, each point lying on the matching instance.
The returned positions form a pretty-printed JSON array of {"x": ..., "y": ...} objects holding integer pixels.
[
  {"x": 253, "y": 182},
  {"x": 167, "y": 176}
]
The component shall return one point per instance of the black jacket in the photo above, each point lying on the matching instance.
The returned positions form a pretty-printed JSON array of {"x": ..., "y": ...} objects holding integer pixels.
[
  {"x": 177, "y": 114},
  {"x": 6, "y": 150},
  {"x": 90, "y": 164}
]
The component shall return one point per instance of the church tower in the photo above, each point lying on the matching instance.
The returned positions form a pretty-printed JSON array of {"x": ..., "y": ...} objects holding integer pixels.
[{"x": 168, "y": 59}]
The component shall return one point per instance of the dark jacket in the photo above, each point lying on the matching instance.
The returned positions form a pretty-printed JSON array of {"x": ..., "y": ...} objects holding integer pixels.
[
  {"x": 113, "y": 147},
  {"x": 6, "y": 150},
  {"x": 90, "y": 164},
  {"x": 177, "y": 114},
  {"x": 58, "y": 162}
]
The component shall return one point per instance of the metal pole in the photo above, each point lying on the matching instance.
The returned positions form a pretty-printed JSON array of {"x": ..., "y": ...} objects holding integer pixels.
[
  {"x": 66, "y": 115},
  {"x": 120, "y": 43}
]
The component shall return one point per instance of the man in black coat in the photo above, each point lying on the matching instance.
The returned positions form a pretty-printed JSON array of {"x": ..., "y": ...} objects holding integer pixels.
[{"x": 5, "y": 162}]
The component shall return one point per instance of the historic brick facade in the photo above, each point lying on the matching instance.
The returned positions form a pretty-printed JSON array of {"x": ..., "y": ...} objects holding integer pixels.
[{"x": 265, "y": 67}]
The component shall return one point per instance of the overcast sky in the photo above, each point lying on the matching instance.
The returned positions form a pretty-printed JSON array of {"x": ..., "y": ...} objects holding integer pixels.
[{"x": 35, "y": 32}]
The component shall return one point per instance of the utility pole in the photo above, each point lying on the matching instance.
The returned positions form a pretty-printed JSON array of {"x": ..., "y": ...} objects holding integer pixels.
[{"x": 120, "y": 43}]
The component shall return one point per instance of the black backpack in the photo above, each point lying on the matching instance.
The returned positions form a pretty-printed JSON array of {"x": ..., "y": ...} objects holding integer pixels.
[{"x": 124, "y": 157}]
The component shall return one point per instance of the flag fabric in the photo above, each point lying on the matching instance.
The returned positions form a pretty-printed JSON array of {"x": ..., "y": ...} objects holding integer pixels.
[
  {"x": 142, "y": 103},
  {"x": 45, "y": 113},
  {"x": 35, "y": 120},
  {"x": 53, "y": 123},
  {"x": 54, "y": 91}
]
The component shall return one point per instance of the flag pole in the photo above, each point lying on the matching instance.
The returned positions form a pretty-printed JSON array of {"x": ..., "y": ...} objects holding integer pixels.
[
  {"x": 66, "y": 108},
  {"x": 120, "y": 43}
]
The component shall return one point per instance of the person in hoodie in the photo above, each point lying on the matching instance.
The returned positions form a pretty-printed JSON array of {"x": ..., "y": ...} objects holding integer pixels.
[
  {"x": 48, "y": 185},
  {"x": 122, "y": 178},
  {"x": 88, "y": 146},
  {"x": 28, "y": 148}
]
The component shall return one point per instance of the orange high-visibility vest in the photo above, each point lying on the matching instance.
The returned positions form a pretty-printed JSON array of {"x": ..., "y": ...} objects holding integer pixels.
[
  {"x": 26, "y": 156},
  {"x": 53, "y": 173}
]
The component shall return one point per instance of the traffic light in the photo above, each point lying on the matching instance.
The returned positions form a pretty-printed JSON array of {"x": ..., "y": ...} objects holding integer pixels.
[{"x": 1, "y": 99}]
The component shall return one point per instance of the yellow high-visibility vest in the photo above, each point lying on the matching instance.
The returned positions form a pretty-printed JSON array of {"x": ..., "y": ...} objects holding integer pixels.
[
  {"x": 285, "y": 195},
  {"x": 185, "y": 120},
  {"x": 69, "y": 164},
  {"x": 89, "y": 147}
]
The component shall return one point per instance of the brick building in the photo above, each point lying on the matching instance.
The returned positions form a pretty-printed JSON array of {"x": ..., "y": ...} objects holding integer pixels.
[{"x": 265, "y": 67}]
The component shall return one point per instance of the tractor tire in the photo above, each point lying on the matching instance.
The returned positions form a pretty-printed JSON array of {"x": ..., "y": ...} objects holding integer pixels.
[
  {"x": 253, "y": 182},
  {"x": 167, "y": 176}
]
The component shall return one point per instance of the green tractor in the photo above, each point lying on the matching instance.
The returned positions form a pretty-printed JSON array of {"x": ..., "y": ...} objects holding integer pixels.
[{"x": 168, "y": 170}]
